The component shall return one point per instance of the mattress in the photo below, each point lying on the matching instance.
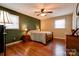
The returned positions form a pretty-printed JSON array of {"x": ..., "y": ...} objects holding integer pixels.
[{"x": 39, "y": 36}]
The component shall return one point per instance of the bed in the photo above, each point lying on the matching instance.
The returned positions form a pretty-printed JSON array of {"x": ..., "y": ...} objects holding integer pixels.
[{"x": 41, "y": 36}]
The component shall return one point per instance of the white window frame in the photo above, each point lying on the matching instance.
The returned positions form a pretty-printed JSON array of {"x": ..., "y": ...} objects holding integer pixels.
[
  {"x": 60, "y": 24},
  {"x": 15, "y": 22}
]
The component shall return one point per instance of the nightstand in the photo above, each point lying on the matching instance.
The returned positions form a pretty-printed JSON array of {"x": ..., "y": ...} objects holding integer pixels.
[{"x": 26, "y": 38}]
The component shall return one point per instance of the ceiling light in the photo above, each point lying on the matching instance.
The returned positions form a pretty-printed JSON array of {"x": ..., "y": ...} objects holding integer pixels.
[
  {"x": 45, "y": 10},
  {"x": 43, "y": 14}
]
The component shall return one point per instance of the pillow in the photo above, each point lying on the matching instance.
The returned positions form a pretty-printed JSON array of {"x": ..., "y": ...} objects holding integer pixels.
[{"x": 32, "y": 31}]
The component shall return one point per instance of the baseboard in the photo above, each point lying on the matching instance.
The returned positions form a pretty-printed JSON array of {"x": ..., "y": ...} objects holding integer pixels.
[
  {"x": 59, "y": 38},
  {"x": 13, "y": 43}
]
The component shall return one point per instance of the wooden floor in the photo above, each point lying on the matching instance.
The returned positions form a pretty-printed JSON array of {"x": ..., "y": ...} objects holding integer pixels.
[{"x": 54, "y": 48}]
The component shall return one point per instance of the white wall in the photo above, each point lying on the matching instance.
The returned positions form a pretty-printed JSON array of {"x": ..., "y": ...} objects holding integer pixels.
[{"x": 48, "y": 25}]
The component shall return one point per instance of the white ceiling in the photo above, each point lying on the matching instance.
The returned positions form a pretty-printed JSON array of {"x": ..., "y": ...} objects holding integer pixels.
[{"x": 30, "y": 8}]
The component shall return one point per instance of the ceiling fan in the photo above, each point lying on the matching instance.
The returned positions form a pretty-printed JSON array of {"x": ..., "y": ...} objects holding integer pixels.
[{"x": 43, "y": 12}]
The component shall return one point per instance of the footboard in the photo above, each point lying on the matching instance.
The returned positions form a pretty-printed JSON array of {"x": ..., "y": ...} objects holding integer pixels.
[
  {"x": 41, "y": 36},
  {"x": 49, "y": 37}
]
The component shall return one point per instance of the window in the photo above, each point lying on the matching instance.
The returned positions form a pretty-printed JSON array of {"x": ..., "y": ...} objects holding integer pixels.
[
  {"x": 60, "y": 23},
  {"x": 15, "y": 22},
  {"x": 77, "y": 22},
  {"x": 12, "y": 18}
]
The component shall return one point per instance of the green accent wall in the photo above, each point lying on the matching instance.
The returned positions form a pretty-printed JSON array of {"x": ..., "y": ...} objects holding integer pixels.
[
  {"x": 13, "y": 35},
  {"x": 24, "y": 20}
]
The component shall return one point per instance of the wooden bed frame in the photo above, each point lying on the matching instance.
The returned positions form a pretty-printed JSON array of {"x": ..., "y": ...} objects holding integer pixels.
[{"x": 48, "y": 37}]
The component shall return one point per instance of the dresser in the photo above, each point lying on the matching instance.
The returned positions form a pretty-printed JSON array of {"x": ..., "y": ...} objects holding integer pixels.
[{"x": 72, "y": 42}]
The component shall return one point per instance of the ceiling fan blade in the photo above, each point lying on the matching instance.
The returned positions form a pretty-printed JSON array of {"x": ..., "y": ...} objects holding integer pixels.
[
  {"x": 37, "y": 12},
  {"x": 49, "y": 12}
]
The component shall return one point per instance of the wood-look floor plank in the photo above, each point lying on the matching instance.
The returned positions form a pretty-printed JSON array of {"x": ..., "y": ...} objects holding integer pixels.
[{"x": 56, "y": 47}]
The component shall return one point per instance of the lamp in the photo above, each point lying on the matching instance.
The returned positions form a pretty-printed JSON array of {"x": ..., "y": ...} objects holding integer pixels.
[{"x": 4, "y": 19}]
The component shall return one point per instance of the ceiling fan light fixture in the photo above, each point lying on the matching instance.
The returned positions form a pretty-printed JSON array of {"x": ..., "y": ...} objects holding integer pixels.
[
  {"x": 45, "y": 10},
  {"x": 42, "y": 14}
]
